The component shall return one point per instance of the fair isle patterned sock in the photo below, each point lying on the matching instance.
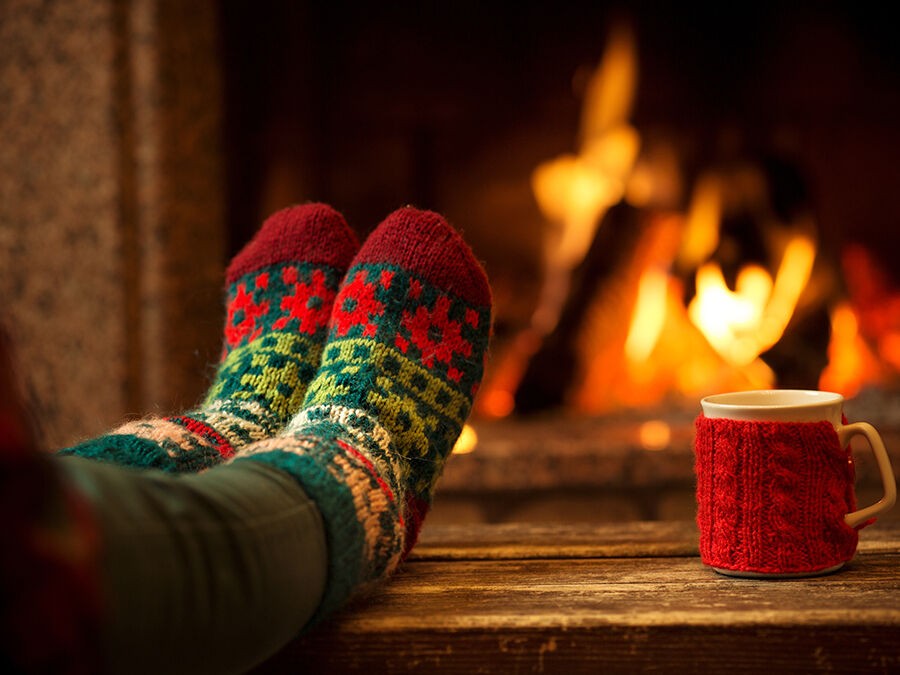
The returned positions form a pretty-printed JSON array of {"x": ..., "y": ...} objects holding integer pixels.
[
  {"x": 404, "y": 358},
  {"x": 280, "y": 289}
]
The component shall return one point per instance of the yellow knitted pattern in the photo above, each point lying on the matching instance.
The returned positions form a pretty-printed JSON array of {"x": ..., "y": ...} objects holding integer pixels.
[
  {"x": 422, "y": 413},
  {"x": 272, "y": 369}
]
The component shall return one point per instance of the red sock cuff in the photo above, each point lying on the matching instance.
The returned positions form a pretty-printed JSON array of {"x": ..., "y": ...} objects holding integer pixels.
[
  {"x": 423, "y": 243},
  {"x": 311, "y": 233}
]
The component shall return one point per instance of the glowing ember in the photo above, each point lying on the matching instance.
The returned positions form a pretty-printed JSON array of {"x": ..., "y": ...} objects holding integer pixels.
[
  {"x": 655, "y": 435},
  {"x": 497, "y": 403},
  {"x": 466, "y": 442}
]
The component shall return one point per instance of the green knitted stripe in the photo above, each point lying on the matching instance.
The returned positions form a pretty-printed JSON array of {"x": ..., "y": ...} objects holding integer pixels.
[
  {"x": 129, "y": 450},
  {"x": 272, "y": 370},
  {"x": 410, "y": 355},
  {"x": 346, "y": 360},
  {"x": 361, "y": 430},
  {"x": 328, "y": 470},
  {"x": 240, "y": 422},
  {"x": 422, "y": 414},
  {"x": 343, "y": 532},
  {"x": 378, "y": 480}
]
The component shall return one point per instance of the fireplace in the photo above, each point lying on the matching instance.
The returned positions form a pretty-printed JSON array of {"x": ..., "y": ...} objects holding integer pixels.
[
  {"x": 716, "y": 195},
  {"x": 624, "y": 174},
  {"x": 669, "y": 203}
]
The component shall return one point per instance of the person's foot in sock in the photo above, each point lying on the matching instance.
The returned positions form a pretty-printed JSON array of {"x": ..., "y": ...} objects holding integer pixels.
[
  {"x": 280, "y": 289},
  {"x": 404, "y": 358}
]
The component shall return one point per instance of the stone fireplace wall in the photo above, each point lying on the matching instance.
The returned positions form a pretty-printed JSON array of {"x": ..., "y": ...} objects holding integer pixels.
[{"x": 111, "y": 216}]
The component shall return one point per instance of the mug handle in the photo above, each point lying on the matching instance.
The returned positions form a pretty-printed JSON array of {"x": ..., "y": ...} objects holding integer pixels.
[{"x": 845, "y": 433}]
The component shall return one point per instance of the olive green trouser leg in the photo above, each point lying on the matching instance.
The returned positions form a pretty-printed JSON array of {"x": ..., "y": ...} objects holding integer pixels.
[{"x": 203, "y": 573}]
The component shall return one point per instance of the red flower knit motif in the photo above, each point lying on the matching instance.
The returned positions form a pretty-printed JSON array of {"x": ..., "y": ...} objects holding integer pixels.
[
  {"x": 436, "y": 335},
  {"x": 243, "y": 301},
  {"x": 310, "y": 303},
  {"x": 355, "y": 306}
]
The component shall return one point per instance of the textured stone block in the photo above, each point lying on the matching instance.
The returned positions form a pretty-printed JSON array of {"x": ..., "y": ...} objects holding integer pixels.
[{"x": 110, "y": 205}]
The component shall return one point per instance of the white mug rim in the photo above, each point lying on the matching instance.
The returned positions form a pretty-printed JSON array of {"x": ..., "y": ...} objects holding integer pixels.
[
  {"x": 775, "y": 404},
  {"x": 739, "y": 399}
]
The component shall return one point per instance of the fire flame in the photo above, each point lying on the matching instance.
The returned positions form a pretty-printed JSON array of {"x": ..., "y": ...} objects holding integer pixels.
[
  {"x": 701, "y": 233},
  {"x": 715, "y": 342},
  {"x": 865, "y": 328},
  {"x": 742, "y": 324},
  {"x": 573, "y": 191},
  {"x": 851, "y": 364},
  {"x": 649, "y": 315}
]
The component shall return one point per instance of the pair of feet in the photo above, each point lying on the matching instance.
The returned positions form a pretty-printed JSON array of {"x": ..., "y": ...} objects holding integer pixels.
[{"x": 351, "y": 368}]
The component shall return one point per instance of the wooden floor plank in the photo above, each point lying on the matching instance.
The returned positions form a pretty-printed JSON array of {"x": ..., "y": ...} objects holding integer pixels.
[
  {"x": 520, "y": 541},
  {"x": 623, "y": 598},
  {"x": 751, "y": 650},
  {"x": 599, "y": 592}
]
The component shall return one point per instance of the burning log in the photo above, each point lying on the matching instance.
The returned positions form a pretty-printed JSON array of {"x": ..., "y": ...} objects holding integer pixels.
[
  {"x": 668, "y": 306},
  {"x": 550, "y": 373}
]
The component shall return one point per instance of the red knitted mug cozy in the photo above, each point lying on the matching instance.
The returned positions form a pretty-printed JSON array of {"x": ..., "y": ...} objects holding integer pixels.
[{"x": 772, "y": 496}]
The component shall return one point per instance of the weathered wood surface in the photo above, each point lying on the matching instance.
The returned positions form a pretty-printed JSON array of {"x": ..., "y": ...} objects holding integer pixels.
[
  {"x": 526, "y": 541},
  {"x": 627, "y": 598}
]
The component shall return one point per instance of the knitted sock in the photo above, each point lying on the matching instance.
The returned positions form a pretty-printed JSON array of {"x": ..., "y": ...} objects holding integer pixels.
[
  {"x": 280, "y": 289},
  {"x": 405, "y": 355}
]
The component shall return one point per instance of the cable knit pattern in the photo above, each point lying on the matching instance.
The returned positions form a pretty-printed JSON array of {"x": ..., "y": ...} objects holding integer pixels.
[
  {"x": 404, "y": 358},
  {"x": 772, "y": 496},
  {"x": 280, "y": 289}
]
